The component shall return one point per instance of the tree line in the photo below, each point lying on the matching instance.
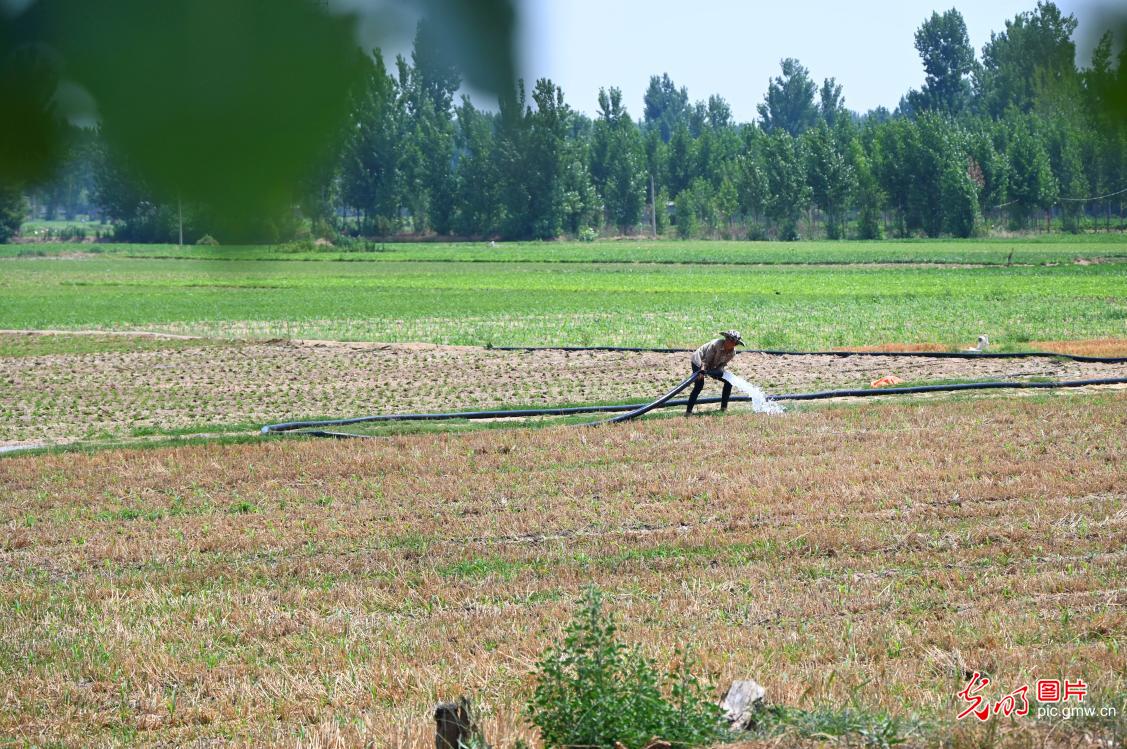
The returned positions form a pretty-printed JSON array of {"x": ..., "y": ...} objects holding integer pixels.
[{"x": 1019, "y": 134}]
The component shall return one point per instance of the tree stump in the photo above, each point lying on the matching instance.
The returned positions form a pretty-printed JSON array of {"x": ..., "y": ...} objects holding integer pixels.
[{"x": 455, "y": 726}]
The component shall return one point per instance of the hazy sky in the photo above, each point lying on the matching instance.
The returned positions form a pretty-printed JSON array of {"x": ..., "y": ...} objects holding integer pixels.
[{"x": 732, "y": 48}]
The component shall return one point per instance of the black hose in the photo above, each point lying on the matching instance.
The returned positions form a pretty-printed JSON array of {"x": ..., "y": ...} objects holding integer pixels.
[
  {"x": 941, "y": 389},
  {"x": 290, "y": 426},
  {"x": 649, "y": 406},
  {"x": 954, "y": 355},
  {"x": 637, "y": 409},
  {"x": 780, "y": 352}
]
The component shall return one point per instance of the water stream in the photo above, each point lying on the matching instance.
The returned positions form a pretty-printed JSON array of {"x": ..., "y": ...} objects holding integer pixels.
[{"x": 759, "y": 402}]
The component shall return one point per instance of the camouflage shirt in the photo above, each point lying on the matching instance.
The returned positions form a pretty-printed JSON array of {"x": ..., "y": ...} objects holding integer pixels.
[{"x": 712, "y": 355}]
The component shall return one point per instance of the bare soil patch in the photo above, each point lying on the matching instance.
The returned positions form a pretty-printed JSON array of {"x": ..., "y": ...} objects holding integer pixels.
[
  {"x": 901, "y": 347},
  {"x": 1109, "y": 347},
  {"x": 64, "y": 397},
  {"x": 100, "y": 333},
  {"x": 1097, "y": 347}
]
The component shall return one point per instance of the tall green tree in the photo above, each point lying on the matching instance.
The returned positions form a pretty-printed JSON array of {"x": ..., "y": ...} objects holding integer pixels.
[
  {"x": 134, "y": 207},
  {"x": 531, "y": 148},
  {"x": 751, "y": 178},
  {"x": 831, "y": 104},
  {"x": 948, "y": 61},
  {"x": 666, "y": 106},
  {"x": 69, "y": 188},
  {"x": 435, "y": 76},
  {"x": 1031, "y": 64},
  {"x": 1100, "y": 81},
  {"x": 1105, "y": 151},
  {"x": 427, "y": 87},
  {"x": 896, "y": 143},
  {"x": 547, "y": 128},
  {"x": 1064, "y": 141},
  {"x": 716, "y": 150},
  {"x": 477, "y": 181},
  {"x": 929, "y": 163},
  {"x": 788, "y": 104},
  {"x": 682, "y": 160},
  {"x": 718, "y": 113},
  {"x": 867, "y": 197},
  {"x": 944, "y": 197},
  {"x": 218, "y": 102},
  {"x": 617, "y": 162},
  {"x": 831, "y": 177},
  {"x": 727, "y": 198},
  {"x": 510, "y": 151},
  {"x": 687, "y": 213},
  {"x": 1032, "y": 184},
  {"x": 370, "y": 174},
  {"x": 787, "y": 191},
  {"x": 581, "y": 207},
  {"x": 988, "y": 166}
]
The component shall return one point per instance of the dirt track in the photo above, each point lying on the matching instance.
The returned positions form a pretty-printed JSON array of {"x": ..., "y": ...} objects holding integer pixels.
[{"x": 63, "y": 397}]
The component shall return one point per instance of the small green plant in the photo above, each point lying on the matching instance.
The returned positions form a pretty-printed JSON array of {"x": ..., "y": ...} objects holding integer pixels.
[
  {"x": 588, "y": 234},
  {"x": 857, "y": 726},
  {"x": 593, "y": 691}
]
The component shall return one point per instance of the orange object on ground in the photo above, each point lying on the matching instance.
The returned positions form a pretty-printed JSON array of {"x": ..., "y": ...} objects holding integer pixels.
[{"x": 886, "y": 381}]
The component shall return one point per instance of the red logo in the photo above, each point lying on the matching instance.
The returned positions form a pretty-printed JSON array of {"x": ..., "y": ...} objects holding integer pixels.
[
  {"x": 1079, "y": 690},
  {"x": 971, "y": 694},
  {"x": 1016, "y": 702},
  {"x": 1048, "y": 690}
]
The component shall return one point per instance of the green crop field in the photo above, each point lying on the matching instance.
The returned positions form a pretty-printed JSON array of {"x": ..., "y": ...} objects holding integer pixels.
[
  {"x": 782, "y": 296},
  {"x": 995, "y": 251}
]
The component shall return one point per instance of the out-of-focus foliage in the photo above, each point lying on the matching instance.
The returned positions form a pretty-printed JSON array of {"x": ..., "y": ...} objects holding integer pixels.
[
  {"x": 226, "y": 103},
  {"x": 12, "y": 208},
  {"x": 1039, "y": 142}
]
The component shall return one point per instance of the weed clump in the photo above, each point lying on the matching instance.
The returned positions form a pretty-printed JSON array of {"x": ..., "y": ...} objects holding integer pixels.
[{"x": 594, "y": 691}]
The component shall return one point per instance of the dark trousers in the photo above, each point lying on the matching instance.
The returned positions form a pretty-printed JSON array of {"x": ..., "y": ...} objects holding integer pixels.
[{"x": 700, "y": 386}]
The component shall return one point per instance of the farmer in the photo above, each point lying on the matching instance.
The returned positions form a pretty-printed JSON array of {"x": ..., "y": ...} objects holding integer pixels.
[{"x": 709, "y": 360}]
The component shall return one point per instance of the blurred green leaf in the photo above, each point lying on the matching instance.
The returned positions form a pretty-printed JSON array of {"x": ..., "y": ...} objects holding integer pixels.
[
  {"x": 478, "y": 37},
  {"x": 30, "y": 128},
  {"x": 226, "y": 103}
]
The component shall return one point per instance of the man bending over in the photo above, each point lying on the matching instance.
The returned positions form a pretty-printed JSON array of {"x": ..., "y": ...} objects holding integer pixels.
[{"x": 710, "y": 359}]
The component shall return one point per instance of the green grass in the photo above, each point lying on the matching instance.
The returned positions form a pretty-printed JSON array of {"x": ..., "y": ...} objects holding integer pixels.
[
  {"x": 580, "y": 303},
  {"x": 1023, "y": 251},
  {"x": 157, "y": 443},
  {"x": 43, "y": 345},
  {"x": 39, "y": 227}
]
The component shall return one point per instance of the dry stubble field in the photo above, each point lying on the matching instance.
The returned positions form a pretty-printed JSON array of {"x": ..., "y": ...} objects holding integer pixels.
[{"x": 321, "y": 593}]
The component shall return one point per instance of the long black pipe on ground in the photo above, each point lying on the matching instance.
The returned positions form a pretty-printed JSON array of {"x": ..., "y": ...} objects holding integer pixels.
[
  {"x": 633, "y": 410},
  {"x": 779, "y": 352},
  {"x": 659, "y": 403}
]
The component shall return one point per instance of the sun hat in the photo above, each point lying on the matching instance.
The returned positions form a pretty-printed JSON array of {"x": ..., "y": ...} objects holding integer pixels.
[{"x": 733, "y": 335}]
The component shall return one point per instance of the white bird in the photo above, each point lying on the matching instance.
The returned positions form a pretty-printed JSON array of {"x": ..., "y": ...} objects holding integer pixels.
[{"x": 983, "y": 343}]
